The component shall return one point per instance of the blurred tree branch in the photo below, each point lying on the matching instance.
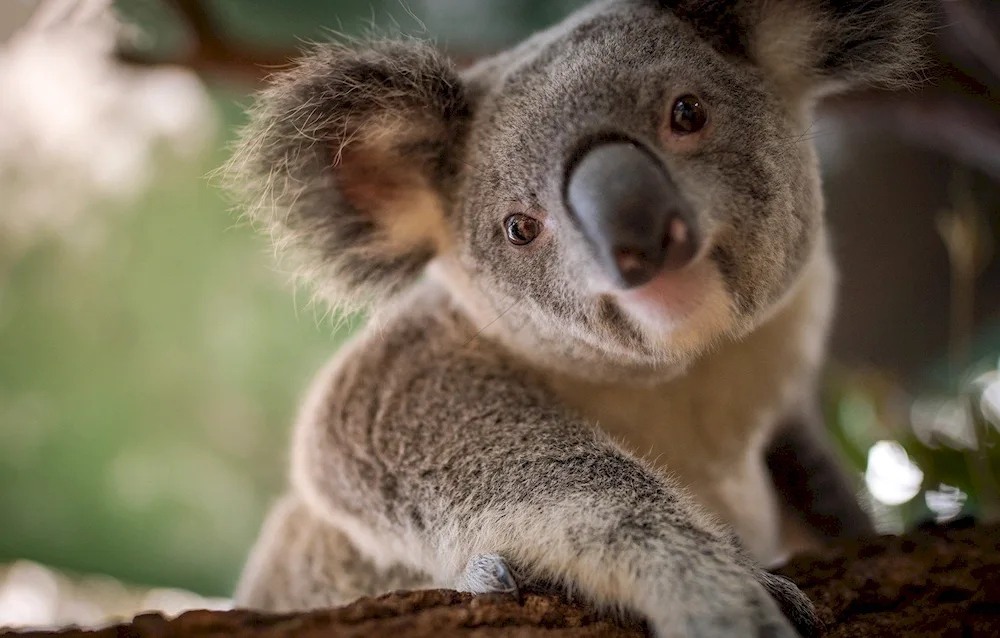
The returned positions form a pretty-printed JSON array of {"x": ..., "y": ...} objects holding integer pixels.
[
  {"x": 945, "y": 120},
  {"x": 212, "y": 53}
]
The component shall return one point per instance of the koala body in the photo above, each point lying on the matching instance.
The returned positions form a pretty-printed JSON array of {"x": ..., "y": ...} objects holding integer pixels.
[{"x": 602, "y": 287}]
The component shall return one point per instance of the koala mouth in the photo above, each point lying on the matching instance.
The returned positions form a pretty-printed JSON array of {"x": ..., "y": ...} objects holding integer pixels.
[
  {"x": 671, "y": 297},
  {"x": 623, "y": 199}
]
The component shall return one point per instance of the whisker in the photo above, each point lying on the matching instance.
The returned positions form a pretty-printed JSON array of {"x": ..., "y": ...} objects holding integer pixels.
[{"x": 490, "y": 324}]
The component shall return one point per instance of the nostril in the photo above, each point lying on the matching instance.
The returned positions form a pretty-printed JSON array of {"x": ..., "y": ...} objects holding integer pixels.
[
  {"x": 679, "y": 244},
  {"x": 634, "y": 267},
  {"x": 678, "y": 232}
]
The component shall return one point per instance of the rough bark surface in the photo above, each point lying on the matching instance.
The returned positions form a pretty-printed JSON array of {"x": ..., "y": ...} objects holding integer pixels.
[{"x": 942, "y": 582}]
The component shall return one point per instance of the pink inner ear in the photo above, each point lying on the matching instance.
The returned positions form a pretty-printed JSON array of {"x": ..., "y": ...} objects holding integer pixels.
[
  {"x": 395, "y": 196},
  {"x": 374, "y": 182}
]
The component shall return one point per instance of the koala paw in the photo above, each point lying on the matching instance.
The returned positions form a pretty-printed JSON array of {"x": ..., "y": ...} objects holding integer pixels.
[
  {"x": 764, "y": 606},
  {"x": 488, "y": 574}
]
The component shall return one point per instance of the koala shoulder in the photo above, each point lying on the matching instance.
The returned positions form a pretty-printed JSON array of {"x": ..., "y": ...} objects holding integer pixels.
[{"x": 421, "y": 350}]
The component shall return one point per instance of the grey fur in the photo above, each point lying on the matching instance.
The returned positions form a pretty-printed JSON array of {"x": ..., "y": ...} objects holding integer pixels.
[{"x": 501, "y": 405}]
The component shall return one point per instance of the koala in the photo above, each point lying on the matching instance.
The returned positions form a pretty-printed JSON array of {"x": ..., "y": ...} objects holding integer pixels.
[{"x": 600, "y": 287}]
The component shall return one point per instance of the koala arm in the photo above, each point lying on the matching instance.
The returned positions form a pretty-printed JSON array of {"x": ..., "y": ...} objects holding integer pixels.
[
  {"x": 434, "y": 455},
  {"x": 807, "y": 474}
]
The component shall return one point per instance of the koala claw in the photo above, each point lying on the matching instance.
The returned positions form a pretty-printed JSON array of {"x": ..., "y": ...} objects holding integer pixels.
[
  {"x": 488, "y": 574},
  {"x": 794, "y": 604},
  {"x": 750, "y": 602},
  {"x": 765, "y": 620}
]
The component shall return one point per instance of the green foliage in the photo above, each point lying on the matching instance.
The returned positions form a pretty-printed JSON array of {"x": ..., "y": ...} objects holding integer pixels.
[{"x": 146, "y": 391}]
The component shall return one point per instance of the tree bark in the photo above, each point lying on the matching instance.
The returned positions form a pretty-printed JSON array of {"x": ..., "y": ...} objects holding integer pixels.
[{"x": 939, "y": 582}]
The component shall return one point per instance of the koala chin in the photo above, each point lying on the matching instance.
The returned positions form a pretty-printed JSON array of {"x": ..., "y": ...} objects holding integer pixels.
[{"x": 600, "y": 288}]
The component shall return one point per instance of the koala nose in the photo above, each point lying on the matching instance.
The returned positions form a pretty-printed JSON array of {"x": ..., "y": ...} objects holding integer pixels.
[{"x": 631, "y": 211}]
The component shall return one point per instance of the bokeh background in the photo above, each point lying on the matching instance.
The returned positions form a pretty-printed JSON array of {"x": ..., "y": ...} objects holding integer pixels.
[{"x": 152, "y": 354}]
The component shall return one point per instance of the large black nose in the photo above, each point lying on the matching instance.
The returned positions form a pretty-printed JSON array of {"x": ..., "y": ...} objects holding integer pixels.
[{"x": 631, "y": 211}]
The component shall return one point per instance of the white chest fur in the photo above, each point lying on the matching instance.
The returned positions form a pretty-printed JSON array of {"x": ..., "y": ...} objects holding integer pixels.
[{"x": 709, "y": 427}]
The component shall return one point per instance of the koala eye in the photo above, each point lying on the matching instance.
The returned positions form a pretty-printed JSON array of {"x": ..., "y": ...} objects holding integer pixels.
[
  {"x": 688, "y": 115},
  {"x": 521, "y": 229}
]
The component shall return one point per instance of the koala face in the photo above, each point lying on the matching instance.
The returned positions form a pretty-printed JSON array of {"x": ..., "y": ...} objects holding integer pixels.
[
  {"x": 666, "y": 197},
  {"x": 614, "y": 195}
]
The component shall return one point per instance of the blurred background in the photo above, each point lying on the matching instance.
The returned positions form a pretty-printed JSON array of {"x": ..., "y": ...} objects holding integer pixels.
[{"x": 152, "y": 356}]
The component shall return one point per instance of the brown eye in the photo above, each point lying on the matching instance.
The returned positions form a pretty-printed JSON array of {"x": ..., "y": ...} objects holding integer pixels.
[
  {"x": 688, "y": 116},
  {"x": 521, "y": 229}
]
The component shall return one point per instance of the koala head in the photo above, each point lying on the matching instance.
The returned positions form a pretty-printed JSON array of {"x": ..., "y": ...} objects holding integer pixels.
[{"x": 615, "y": 195}]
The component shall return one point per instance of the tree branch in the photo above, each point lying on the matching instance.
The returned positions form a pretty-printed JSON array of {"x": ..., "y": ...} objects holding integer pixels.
[
  {"x": 212, "y": 53},
  {"x": 200, "y": 23},
  {"x": 248, "y": 67}
]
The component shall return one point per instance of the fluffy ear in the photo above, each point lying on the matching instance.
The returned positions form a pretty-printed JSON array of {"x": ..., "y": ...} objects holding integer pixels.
[
  {"x": 823, "y": 46},
  {"x": 345, "y": 160},
  {"x": 818, "y": 46}
]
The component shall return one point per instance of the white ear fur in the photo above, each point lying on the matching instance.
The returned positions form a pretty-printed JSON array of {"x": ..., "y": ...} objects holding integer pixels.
[
  {"x": 817, "y": 47},
  {"x": 784, "y": 43}
]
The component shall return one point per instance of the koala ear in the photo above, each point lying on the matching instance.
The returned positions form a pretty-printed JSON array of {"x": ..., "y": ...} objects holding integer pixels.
[
  {"x": 826, "y": 46},
  {"x": 345, "y": 160}
]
